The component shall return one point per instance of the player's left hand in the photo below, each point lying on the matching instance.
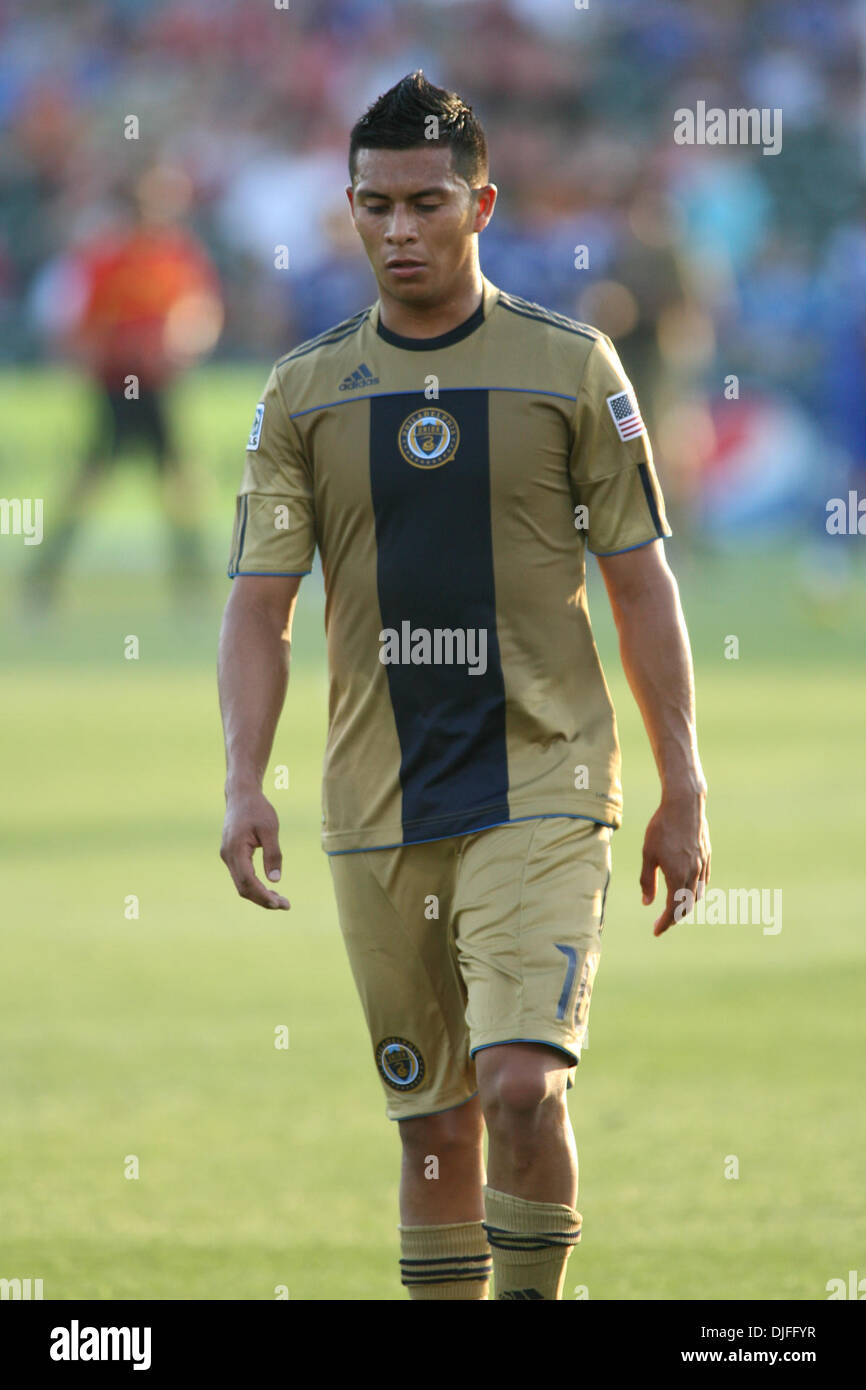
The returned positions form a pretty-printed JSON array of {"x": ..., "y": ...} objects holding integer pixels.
[{"x": 677, "y": 841}]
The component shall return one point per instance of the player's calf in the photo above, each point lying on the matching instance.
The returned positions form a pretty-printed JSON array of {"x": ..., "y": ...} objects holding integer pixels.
[
  {"x": 444, "y": 1251},
  {"x": 530, "y": 1218}
]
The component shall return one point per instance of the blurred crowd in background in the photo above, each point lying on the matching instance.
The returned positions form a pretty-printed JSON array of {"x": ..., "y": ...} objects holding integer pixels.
[{"x": 704, "y": 262}]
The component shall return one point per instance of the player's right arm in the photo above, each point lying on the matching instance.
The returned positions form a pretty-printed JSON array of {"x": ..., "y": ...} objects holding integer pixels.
[
  {"x": 253, "y": 673},
  {"x": 273, "y": 544}
]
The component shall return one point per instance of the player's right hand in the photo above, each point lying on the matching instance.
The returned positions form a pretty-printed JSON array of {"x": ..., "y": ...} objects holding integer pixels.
[{"x": 251, "y": 823}]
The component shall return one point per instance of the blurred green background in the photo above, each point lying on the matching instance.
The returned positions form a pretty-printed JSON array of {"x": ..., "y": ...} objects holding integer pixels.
[{"x": 155, "y": 1037}]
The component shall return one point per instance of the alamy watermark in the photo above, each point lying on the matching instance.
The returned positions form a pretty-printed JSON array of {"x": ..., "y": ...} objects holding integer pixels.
[
  {"x": 846, "y": 517},
  {"x": 737, "y": 126},
  {"x": 21, "y": 1289},
  {"x": 22, "y": 516},
  {"x": 438, "y": 646},
  {"x": 77, "y": 1343},
  {"x": 854, "y": 1287},
  {"x": 720, "y": 907}
]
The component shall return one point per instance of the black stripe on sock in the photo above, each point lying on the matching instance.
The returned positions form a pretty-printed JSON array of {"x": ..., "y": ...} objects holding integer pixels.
[
  {"x": 508, "y": 1242},
  {"x": 445, "y": 1259},
  {"x": 529, "y": 1249},
  {"x": 533, "y": 1245},
  {"x": 557, "y": 1236},
  {"x": 446, "y": 1276}
]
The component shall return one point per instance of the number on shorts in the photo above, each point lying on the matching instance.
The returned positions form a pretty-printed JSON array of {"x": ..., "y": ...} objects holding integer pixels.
[{"x": 571, "y": 956}]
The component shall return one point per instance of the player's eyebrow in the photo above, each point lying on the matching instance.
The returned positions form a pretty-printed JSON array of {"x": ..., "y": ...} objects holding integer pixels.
[{"x": 439, "y": 190}]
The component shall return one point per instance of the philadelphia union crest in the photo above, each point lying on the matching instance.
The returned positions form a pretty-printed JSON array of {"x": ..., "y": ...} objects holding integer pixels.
[
  {"x": 428, "y": 438},
  {"x": 400, "y": 1064}
]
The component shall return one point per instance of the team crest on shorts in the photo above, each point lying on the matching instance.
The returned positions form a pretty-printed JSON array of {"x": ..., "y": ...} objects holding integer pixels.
[
  {"x": 400, "y": 1064},
  {"x": 428, "y": 438}
]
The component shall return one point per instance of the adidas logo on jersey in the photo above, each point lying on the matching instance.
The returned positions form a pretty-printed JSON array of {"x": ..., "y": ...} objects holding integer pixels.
[{"x": 361, "y": 376}]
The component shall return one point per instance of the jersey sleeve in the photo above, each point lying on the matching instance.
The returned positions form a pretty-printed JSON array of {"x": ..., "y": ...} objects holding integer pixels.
[
  {"x": 611, "y": 464},
  {"x": 275, "y": 525}
]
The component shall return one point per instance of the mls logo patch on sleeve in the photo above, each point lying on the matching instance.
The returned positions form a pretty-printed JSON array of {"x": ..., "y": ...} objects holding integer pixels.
[
  {"x": 256, "y": 431},
  {"x": 626, "y": 416}
]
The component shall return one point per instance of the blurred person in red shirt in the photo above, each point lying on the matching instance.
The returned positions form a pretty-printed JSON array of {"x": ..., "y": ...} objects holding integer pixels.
[{"x": 147, "y": 305}]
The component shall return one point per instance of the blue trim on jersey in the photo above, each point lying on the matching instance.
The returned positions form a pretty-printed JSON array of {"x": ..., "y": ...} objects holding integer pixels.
[
  {"x": 639, "y": 546},
  {"x": 549, "y": 316},
  {"x": 427, "y": 1113},
  {"x": 512, "y": 820},
  {"x": 375, "y": 395},
  {"x": 330, "y": 335},
  {"x": 544, "y": 1042}
]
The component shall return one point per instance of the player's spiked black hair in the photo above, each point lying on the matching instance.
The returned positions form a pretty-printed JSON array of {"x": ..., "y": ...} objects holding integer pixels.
[{"x": 399, "y": 120}]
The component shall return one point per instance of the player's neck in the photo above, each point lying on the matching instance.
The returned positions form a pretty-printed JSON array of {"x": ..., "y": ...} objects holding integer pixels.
[{"x": 431, "y": 320}]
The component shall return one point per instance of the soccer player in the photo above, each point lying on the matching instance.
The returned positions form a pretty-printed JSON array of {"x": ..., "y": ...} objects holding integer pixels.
[{"x": 452, "y": 450}]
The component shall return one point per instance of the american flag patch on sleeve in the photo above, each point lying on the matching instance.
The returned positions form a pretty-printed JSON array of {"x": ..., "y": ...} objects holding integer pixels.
[{"x": 626, "y": 416}]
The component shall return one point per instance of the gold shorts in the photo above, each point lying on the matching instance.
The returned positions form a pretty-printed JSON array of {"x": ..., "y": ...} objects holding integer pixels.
[{"x": 459, "y": 944}]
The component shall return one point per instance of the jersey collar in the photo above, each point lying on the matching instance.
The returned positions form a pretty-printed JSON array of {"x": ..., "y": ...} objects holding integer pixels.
[{"x": 489, "y": 296}]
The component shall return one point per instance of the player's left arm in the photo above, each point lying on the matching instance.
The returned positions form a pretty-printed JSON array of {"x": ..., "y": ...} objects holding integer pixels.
[{"x": 657, "y": 660}]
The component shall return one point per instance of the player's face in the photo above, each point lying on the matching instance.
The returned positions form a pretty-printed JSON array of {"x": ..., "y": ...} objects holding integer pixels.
[{"x": 417, "y": 219}]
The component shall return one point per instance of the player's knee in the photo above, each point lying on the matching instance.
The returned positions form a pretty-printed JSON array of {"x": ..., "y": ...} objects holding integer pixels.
[{"x": 518, "y": 1086}]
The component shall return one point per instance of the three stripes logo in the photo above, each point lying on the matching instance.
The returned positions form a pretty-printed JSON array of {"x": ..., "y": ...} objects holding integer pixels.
[{"x": 358, "y": 379}]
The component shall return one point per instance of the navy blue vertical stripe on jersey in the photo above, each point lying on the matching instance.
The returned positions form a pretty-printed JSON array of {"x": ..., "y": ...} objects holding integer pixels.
[
  {"x": 242, "y": 508},
  {"x": 435, "y": 569},
  {"x": 650, "y": 497}
]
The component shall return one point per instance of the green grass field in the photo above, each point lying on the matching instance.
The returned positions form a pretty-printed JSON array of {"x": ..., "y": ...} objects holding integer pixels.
[{"x": 155, "y": 1037}]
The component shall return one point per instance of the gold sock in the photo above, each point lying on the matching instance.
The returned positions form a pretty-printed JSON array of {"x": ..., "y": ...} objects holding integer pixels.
[
  {"x": 450, "y": 1261},
  {"x": 531, "y": 1243}
]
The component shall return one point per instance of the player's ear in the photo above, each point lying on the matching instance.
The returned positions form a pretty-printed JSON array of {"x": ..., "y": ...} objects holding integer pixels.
[
  {"x": 350, "y": 194},
  {"x": 485, "y": 201}
]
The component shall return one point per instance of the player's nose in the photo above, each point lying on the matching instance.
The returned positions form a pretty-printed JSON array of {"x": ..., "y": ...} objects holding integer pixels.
[{"x": 401, "y": 226}]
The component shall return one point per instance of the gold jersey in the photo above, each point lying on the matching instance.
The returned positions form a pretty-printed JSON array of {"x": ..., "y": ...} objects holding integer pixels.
[{"x": 452, "y": 485}]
